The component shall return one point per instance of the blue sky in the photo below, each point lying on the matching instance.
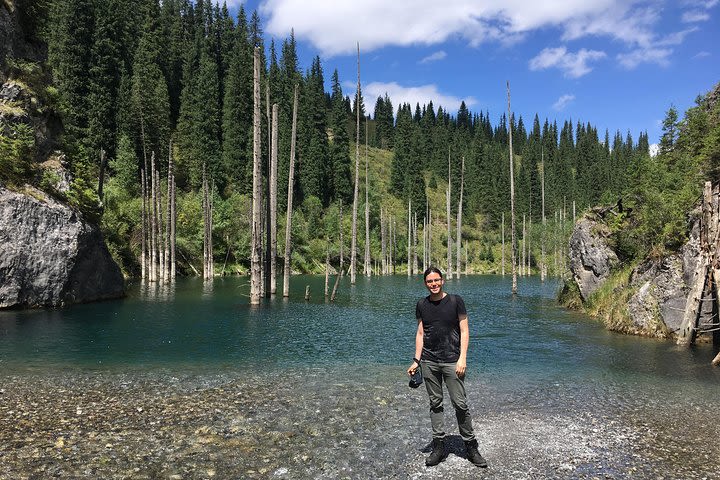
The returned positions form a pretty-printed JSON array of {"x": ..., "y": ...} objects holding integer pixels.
[{"x": 616, "y": 64}]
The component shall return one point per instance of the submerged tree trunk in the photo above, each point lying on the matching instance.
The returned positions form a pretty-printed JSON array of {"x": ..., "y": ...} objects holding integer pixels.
[
  {"x": 459, "y": 216},
  {"x": 512, "y": 198},
  {"x": 173, "y": 214},
  {"x": 543, "y": 266},
  {"x": 273, "y": 201},
  {"x": 256, "y": 240},
  {"x": 368, "y": 271},
  {"x": 291, "y": 181},
  {"x": 353, "y": 247},
  {"x": 409, "y": 242},
  {"x": 449, "y": 222},
  {"x": 153, "y": 220}
]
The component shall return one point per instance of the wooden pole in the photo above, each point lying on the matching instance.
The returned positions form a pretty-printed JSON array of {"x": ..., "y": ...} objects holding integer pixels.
[
  {"x": 366, "y": 263},
  {"x": 458, "y": 235},
  {"x": 273, "y": 201},
  {"x": 291, "y": 182},
  {"x": 353, "y": 247},
  {"x": 449, "y": 273},
  {"x": 256, "y": 187},
  {"x": 512, "y": 197}
]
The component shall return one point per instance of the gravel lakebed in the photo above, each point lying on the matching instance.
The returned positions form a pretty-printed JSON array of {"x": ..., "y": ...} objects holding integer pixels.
[{"x": 362, "y": 423}]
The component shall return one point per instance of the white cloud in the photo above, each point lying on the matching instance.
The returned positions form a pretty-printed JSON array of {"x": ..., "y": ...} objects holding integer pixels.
[
  {"x": 574, "y": 65},
  {"x": 654, "y": 148},
  {"x": 702, "y": 54},
  {"x": 434, "y": 57},
  {"x": 400, "y": 94},
  {"x": 563, "y": 102},
  {"x": 645, "y": 55},
  {"x": 695, "y": 16},
  {"x": 335, "y": 27}
]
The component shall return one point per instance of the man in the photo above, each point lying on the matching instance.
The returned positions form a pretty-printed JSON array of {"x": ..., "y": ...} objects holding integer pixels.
[{"x": 441, "y": 344}]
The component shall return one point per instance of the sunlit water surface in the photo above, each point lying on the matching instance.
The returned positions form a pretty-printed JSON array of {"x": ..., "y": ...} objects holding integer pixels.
[{"x": 197, "y": 326}]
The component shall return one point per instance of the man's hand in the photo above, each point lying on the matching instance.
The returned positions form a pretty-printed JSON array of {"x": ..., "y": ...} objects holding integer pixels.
[
  {"x": 460, "y": 368},
  {"x": 413, "y": 367}
]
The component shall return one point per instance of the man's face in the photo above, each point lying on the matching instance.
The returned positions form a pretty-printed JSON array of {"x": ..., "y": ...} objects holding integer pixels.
[{"x": 434, "y": 283}]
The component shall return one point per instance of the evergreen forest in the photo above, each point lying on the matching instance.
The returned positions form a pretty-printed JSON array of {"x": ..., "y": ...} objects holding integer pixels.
[{"x": 171, "y": 83}]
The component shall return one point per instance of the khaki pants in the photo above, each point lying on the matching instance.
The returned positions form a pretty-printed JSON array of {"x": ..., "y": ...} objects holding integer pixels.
[{"x": 434, "y": 375}]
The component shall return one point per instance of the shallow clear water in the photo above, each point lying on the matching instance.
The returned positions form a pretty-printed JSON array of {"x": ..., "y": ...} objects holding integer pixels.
[{"x": 195, "y": 325}]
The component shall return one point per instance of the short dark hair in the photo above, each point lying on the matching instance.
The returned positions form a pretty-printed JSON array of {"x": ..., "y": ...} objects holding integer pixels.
[{"x": 432, "y": 270}]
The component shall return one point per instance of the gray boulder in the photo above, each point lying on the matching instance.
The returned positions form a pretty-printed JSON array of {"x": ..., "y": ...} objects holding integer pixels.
[
  {"x": 50, "y": 256},
  {"x": 591, "y": 259}
]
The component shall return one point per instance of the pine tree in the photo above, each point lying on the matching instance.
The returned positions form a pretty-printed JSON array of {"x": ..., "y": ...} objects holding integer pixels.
[{"x": 340, "y": 146}]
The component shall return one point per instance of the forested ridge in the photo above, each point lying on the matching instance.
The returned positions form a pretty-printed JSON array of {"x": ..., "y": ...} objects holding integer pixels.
[{"x": 140, "y": 78}]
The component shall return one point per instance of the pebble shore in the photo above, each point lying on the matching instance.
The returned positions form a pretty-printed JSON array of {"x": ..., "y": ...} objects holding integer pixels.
[{"x": 312, "y": 423}]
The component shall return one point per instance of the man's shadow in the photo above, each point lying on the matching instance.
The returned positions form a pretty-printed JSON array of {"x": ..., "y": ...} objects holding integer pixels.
[{"x": 453, "y": 444}]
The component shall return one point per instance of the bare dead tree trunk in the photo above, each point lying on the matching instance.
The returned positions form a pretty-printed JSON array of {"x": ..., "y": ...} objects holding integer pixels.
[
  {"x": 503, "y": 244},
  {"x": 543, "y": 266},
  {"x": 512, "y": 197},
  {"x": 522, "y": 263},
  {"x": 168, "y": 218},
  {"x": 382, "y": 242},
  {"x": 342, "y": 241},
  {"x": 353, "y": 247},
  {"x": 205, "y": 208},
  {"x": 291, "y": 183},
  {"x": 424, "y": 243},
  {"x": 173, "y": 215},
  {"x": 409, "y": 240},
  {"x": 415, "y": 243},
  {"x": 459, "y": 216},
  {"x": 153, "y": 221},
  {"x": 144, "y": 255},
  {"x": 273, "y": 201},
  {"x": 528, "y": 272},
  {"x": 327, "y": 266},
  {"x": 449, "y": 221},
  {"x": 256, "y": 187},
  {"x": 394, "y": 244},
  {"x": 143, "y": 179},
  {"x": 368, "y": 271},
  {"x": 430, "y": 262}
]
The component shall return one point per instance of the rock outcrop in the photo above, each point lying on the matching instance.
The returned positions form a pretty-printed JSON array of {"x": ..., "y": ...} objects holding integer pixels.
[
  {"x": 662, "y": 286},
  {"x": 50, "y": 256},
  {"x": 591, "y": 259}
]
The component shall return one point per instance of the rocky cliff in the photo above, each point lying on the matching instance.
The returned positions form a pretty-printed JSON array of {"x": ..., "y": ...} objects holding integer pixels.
[
  {"x": 50, "y": 256},
  {"x": 656, "y": 291}
]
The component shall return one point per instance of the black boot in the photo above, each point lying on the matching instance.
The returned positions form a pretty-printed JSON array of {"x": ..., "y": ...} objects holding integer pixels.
[
  {"x": 438, "y": 453},
  {"x": 473, "y": 455}
]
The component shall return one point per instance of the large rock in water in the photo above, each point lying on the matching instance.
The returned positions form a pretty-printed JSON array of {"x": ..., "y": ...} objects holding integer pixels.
[
  {"x": 50, "y": 256},
  {"x": 591, "y": 259}
]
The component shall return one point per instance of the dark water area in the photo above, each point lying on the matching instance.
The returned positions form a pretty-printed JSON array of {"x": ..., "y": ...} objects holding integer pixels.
[{"x": 193, "y": 382}]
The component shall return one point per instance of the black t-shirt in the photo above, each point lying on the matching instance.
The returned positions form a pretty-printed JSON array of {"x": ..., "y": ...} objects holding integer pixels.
[{"x": 441, "y": 327}]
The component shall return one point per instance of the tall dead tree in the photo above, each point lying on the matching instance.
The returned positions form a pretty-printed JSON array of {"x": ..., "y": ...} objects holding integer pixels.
[
  {"x": 170, "y": 238},
  {"x": 449, "y": 272},
  {"x": 273, "y": 201},
  {"x": 153, "y": 220},
  {"x": 383, "y": 250},
  {"x": 145, "y": 264},
  {"x": 291, "y": 182},
  {"x": 353, "y": 247},
  {"x": 543, "y": 266},
  {"x": 409, "y": 241},
  {"x": 503, "y": 243},
  {"x": 458, "y": 235},
  {"x": 159, "y": 231},
  {"x": 342, "y": 240},
  {"x": 512, "y": 196},
  {"x": 256, "y": 240},
  {"x": 366, "y": 263}
]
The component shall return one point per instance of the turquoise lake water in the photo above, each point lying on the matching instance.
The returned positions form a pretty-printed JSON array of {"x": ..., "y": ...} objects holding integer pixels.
[{"x": 196, "y": 325}]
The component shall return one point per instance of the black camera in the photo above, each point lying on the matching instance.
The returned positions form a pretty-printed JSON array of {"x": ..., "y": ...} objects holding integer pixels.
[{"x": 416, "y": 378}]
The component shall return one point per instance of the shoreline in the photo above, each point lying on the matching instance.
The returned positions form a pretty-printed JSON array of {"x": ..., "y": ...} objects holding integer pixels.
[{"x": 316, "y": 423}]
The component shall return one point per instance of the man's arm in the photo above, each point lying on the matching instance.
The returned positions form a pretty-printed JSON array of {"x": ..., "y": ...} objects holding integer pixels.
[
  {"x": 418, "y": 347},
  {"x": 464, "y": 342}
]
